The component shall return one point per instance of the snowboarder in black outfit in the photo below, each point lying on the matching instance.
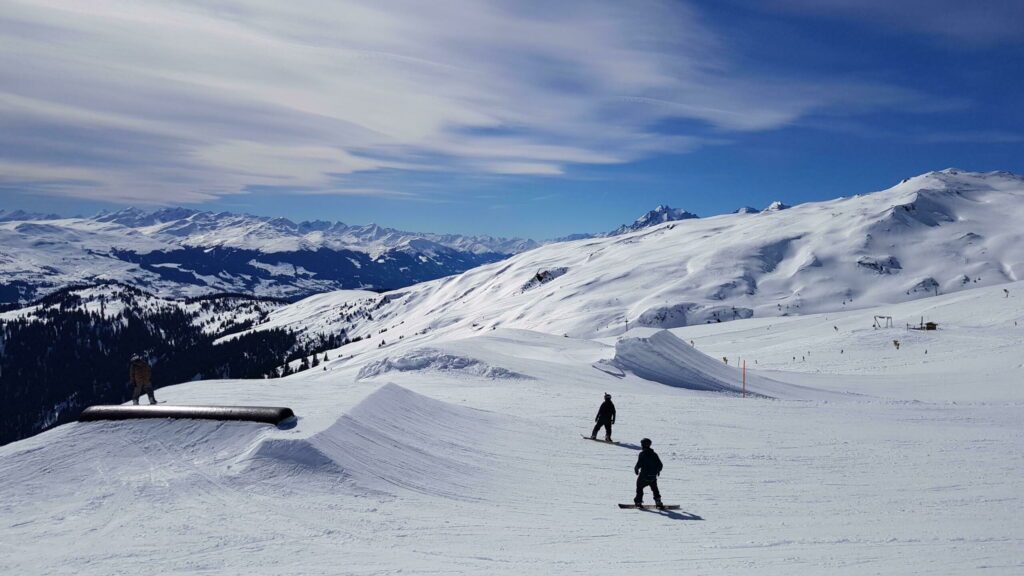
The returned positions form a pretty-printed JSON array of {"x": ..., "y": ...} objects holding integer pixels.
[
  {"x": 605, "y": 417},
  {"x": 648, "y": 467}
]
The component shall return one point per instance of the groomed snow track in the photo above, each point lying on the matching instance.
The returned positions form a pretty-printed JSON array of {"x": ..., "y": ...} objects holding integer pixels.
[{"x": 265, "y": 414}]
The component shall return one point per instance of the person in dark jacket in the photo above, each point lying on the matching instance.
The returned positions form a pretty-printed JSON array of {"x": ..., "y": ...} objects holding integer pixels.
[
  {"x": 648, "y": 467},
  {"x": 140, "y": 376},
  {"x": 605, "y": 417}
]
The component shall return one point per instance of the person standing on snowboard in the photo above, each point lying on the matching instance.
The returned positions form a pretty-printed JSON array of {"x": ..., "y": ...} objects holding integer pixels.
[
  {"x": 140, "y": 376},
  {"x": 648, "y": 467},
  {"x": 605, "y": 417}
]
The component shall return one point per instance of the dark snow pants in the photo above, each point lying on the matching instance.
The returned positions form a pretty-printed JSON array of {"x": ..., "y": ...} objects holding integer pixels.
[
  {"x": 642, "y": 481},
  {"x": 141, "y": 387},
  {"x": 607, "y": 429}
]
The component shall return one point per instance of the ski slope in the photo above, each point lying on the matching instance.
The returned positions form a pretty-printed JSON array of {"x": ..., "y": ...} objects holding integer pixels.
[
  {"x": 459, "y": 453},
  {"x": 446, "y": 440},
  {"x": 934, "y": 234}
]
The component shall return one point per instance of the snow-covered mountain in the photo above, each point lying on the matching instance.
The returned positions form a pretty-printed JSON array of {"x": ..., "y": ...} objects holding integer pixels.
[
  {"x": 933, "y": 234},
  {"x": 462, "y": 455},
  {"x": 776, "y": 206},
  {"x": 182, "y": 252},
  {"x": 21, "y": 215},
  {"x": 659, "y": 215},
  {"x": 192, "y": 228},
  {"x": 447, "y": 438}
]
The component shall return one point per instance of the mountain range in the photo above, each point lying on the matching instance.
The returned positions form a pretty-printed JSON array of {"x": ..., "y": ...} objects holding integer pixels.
[
  {"x": 936, "y": 233},
  {"x": 179, "y": 252}
]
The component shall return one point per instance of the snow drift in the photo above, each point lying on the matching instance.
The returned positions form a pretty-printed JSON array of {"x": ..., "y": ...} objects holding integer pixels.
[{"x": 422, "y": 359}]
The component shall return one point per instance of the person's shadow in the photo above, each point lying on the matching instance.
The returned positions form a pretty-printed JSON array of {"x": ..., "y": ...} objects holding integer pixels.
[
  {"x": 628, "y": 445},
  {"x": 673, "y": 514}
]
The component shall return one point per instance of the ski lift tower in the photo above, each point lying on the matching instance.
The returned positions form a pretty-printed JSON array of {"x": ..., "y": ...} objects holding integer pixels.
[{"x": 882, "y": 322}]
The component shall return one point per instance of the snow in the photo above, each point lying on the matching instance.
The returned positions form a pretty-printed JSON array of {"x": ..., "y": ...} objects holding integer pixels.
[
  {"x": 47, "y": 252},
  {"x": 852, "y": 253},
  {"x": 415, "y": 452},
  {"x": 664, "y": 358},
  {"x": 464, "y": 472},
  {"x": 424, "y": 359},
  {"x": 313, "y": 315}
]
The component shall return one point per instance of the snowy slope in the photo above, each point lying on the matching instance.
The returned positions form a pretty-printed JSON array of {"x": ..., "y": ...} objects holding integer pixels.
[
  {"x": 447, "y": 439},
  {"x": 450, "y": 469},
  {"x": 938, "y": 233},
  {"x": 211, "y": 316}
]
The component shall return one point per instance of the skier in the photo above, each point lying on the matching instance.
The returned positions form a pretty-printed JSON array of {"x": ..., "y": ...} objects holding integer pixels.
[
  {"x": 605, "y": 417},
  {"x": 140, "y": 376},
  {"x": 648, "y": 467}
]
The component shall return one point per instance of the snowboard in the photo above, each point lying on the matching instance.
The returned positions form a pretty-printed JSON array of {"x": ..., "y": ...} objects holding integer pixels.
[
  {"x": 648, "y": 507},
  {"x": 585, "y": 437}
]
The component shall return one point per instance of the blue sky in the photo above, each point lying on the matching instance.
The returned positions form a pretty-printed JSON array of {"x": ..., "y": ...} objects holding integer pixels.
[{"x": 495, "y": 116}]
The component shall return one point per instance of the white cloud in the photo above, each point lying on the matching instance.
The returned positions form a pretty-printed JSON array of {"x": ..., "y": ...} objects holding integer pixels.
[{"x": 145, "y": 98}]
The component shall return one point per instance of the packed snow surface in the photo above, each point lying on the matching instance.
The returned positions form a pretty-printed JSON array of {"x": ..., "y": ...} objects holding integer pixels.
[{"x": 876, "y": 460}]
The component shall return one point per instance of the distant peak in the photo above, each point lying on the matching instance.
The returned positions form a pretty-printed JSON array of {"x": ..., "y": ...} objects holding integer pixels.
[
  {"x": 662, "y": 213},
  {"x": 776, "y": 206},
  {"x": 23, "y": 215}
]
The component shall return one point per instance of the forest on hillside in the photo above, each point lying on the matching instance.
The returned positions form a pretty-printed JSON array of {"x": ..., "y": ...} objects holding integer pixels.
[{"x": 65, "y": 357}]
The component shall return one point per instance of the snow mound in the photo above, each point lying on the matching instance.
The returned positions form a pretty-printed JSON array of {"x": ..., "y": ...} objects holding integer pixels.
[
  {"x": 393, "y": 440},
  {"x": 689, "y": 313},
  {"x": 422, "y": 359},
  {"x": 663, "y": 357}
]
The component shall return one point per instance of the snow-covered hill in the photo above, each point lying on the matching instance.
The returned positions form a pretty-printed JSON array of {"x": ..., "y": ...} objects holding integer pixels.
[
  {"x": 460, "y": 453},
  {"x": 446, "y": 439},
  {"x": 938, "y": 233},
  {"x": 181, "y": 252}
]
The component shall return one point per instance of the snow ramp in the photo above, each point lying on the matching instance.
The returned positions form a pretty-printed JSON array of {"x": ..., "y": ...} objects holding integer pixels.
[
  {"x": 392, "y": 441},
  {"x": 663, "y": 357}
]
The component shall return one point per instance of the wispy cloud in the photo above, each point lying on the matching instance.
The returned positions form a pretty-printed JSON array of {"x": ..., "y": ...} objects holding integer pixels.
[{"x": 185, "y": 101}]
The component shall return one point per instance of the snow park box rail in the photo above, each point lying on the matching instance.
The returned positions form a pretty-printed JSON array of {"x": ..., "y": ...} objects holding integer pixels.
[{"x": 264, "y": 414}]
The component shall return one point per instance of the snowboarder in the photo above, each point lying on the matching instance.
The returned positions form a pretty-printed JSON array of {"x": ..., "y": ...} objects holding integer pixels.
[
  {"x": 605, "y": 417},
  {"x": 648, "y": 467},
  {"x": 140, "y": 376}
]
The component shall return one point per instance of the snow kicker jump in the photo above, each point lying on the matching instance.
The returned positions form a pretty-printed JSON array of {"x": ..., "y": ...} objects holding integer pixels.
[
  {"x": 663, "y": 357},
  {"x": 267, "y": 415}
]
